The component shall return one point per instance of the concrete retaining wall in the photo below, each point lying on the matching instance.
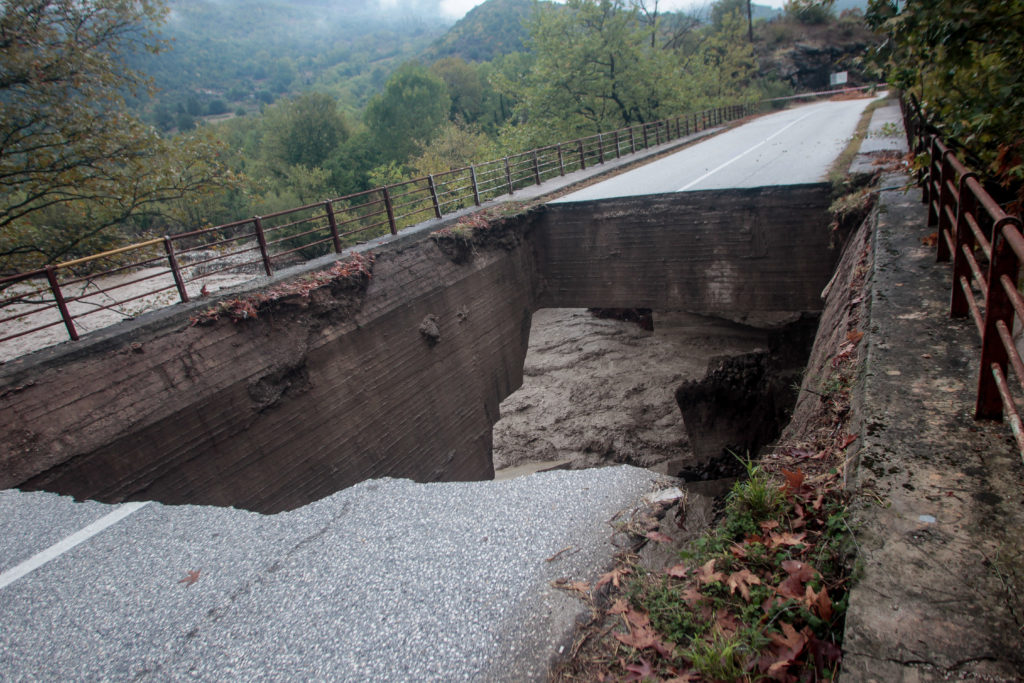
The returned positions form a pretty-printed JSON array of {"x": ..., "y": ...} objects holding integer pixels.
[{"x": 402, "y": 377}]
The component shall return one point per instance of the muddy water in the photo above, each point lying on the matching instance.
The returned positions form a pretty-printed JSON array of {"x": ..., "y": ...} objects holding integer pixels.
[{"x": 599, "y": 391}]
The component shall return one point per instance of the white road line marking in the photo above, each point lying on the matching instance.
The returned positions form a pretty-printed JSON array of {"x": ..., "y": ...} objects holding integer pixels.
[
  {"x": 746, "y": 152},
  {"x": 61, "y": 547}
]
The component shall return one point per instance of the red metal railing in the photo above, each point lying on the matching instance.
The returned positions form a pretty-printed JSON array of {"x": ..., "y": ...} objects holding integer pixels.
[
  {"x": 986, "y": 247},
  {"x": 179, "y": 267}
]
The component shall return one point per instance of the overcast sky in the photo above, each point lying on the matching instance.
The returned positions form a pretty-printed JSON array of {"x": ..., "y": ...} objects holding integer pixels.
[{"x": 456, "y": 9}]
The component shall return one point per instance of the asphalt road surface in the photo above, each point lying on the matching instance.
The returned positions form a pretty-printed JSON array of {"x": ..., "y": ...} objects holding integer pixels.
[
  {"x": 790, "y": 147},
  {"x": 386, "y": 581}
]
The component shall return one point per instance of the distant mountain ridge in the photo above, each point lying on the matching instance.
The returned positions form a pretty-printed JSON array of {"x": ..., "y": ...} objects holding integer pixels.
[{"x": 489, "y": 30}]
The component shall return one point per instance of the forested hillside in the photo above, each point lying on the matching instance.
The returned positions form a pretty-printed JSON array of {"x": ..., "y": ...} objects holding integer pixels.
[{"x": 200, "y": 112}]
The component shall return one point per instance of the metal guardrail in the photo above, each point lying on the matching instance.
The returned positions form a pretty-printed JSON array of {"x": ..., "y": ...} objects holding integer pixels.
[
  {"x": 181, "y": 264},
  {"x": 986, "y": 246},
  {"x": 178, "y": 267}
]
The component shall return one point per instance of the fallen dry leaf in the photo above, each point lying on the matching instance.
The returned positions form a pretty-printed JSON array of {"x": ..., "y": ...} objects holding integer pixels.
[
  {"x": 799, "y": 574},
  {"x": 794, "y": 480},
  {"x": 190, "y": 578},
  {"x": 741, "y": 581},
  {"x": 639, "y": 671},
  {"x": 786, "y": 538},
  {"x": 659, "y": 537},
  {"x": 854, "y": 336},
  {"x": 618, "y": 607},
  {"x": 707, "y": 573},
  {"x": 614, "y": 576},
  {"x": 678, "y": 571}
]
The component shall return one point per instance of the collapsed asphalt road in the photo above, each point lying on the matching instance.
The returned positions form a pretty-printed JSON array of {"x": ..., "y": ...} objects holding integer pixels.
[{"x": 388, "y": 580}]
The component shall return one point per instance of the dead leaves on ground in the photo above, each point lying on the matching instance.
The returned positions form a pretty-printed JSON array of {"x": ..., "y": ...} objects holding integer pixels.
[{"x": 770, "y": 573}]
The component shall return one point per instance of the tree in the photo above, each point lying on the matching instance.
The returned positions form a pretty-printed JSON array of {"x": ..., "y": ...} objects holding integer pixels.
[
  {"x": 413, "y": 105},
  {"x": 962, "y": 59},
  {"x": 68, "y": 146},
  {"x": 594, "y": 70},
  {"x": 305, "y": 131}
]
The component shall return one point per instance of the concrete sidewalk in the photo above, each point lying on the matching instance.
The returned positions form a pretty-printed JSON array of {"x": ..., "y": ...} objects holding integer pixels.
[{"x": 939, "y": 509}]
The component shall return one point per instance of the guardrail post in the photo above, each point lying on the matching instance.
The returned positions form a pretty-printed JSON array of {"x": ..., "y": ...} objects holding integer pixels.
[
  {"x": 261, "y": 238},
  {"x": 333, "y": 223},
  {"x": 476, "y": 189},
  {"x": 175, "y": 271},
  {"x": 963, "y": 237},
  {"x": 933, "y": 174},
  {"x": 600, "y": 148},
  {"x": 583, "y": 158},
  {"x": 390, "y": 209},
  {"x": 644, "y": 129},
  {"x": 998, "y": 309},
  {"x": 433, "y": 195},
  {"x": 508, "y": 177},
  {"x": 615, "y": 137},
  {"x": 69, "y": 323},
  {"x": 561, "y": 161},
  {"x": 536, "y": 167},
  {"x": 632, "y": 141},
  {"x": 945, "y": 200}
]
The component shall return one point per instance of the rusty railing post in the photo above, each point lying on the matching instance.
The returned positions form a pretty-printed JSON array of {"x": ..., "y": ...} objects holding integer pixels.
[
  {"x": 1003, "y": 270},
  {"x": 632, "y": 141},
  {"x": 600, "y": 148},
  {"x": 963, "y": 238},
  {"x": 508, "y": 177},
  {"x": 561, "y": 161},
  {"x": 583, "y": 158},
  {"x": 945, "y": 201},
  {"x": 536, "y": 167},
  {"x": 934, "y": 163},
  {"x": 390, "y": 209},
  {"x": 433, "y": 195},
  {"x": 615, "y": 138},
  {"x": 58, "y": 296},
  {"x": 476, "y": 188},
  {"x": 644, "y": 129},
  {"x": 261, "y": 239},
  {"x": 175, "y": 271},
  {"x": 332, "y": 222}
]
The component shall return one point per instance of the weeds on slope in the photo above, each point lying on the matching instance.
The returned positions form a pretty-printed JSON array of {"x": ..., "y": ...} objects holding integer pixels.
[{"x": 761, "y": 597}]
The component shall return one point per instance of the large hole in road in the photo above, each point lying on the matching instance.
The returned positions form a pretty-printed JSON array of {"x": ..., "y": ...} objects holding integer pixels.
[{"x": 681, "y": 398}]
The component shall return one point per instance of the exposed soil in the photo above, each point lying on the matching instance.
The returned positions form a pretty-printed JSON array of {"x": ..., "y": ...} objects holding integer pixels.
[{"x": 602, "y": 391}]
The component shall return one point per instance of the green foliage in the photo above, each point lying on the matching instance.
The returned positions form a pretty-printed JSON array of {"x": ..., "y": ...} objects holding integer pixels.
[
  {"x": 962, "y": 58},
  {"x": 595, "y": 70},
  {"x": 455, "y": 146},
  {"x": 489, "y": 30},
  {"x": 753, "y": 500},
  {"x": 74, "y": 163},
  {"x": 412, "y": 106},
  {"x": 305, "y": 131}
]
